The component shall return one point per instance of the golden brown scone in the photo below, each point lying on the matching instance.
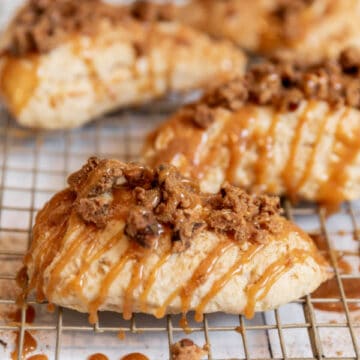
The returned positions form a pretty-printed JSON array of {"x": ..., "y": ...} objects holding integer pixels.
[
  {"x": 305, "y": 30},
  {"x": 66, "y": 62},
  {"x": 129, "y": 238},
  {"x": 282, "y": 129}
]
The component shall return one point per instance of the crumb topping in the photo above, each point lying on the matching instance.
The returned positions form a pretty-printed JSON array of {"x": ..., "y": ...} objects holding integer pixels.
[
  {"x": 186, "y": 349},
  {"x": 284, "y": 85},
  {"x": 42, "y": 24},
  {"x": 161, "y": 199}
]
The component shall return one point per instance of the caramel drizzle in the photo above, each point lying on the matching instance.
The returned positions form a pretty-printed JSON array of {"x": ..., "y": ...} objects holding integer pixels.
[
  {"x": 76, "y": 282},
  {"x": 238, "y": 139},
  {"x": 198, "y": 277},
  {"x": 106, "y": 283},
  {"x": 79, "y": 50},
  {"x": 149, "y": 282},
  {"x": 15, "y": 70},
  {"x": 332, "y": 191},
  {"x": 311, "y": 160},
  {"x": 288, "y": 172},
  {"x": 135, "y": 280},
  {"x": 259, "y": 290},
  {"x": 48, "y": 249},
  {"x": 87, "y": 233},
  {"x": 236, "y": 269},
  {"x": 266, "y": 153}
]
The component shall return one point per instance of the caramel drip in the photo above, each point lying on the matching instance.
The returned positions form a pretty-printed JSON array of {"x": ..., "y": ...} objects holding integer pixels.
[
  {"x": 80, "y": 50},
  {"x": 38, "y": 357},
  {"x": 98, "y": 356},
  {"x": 311, "y": 160},
  {"x": 135, "y": 356},
  {"x": 29, "y": 315},
  {"x": 289, "y": 170},
  {"x": 88, "y": 260},
  {"x": 150, "y": 281},
  {"x": 238, "y": 139},
  {"x": 331, "y": 192},
  {"x": 135, "y": 280},
  {"x": 88, "y": 234},
  {"x": 234, "y": 136},
  {"x": 106, "y": 284},
  {"x": 121, "y": 335},
  {"x": 46, "y": 254},
  {"x": 199, "y": 276},
  {"x": 29, "y": 345},
  {"x": 235, "y": 270},
  {"x": 266, "y": 152},
  {"x": 259, "y": 290},
  {"x": 18, "y": 81}
]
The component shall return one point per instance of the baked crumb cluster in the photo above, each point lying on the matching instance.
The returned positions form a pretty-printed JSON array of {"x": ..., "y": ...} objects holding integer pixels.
[
  {"x": 285, "y": 85},
  {"x": 162, "y": 199},
  {"x": 42, "y": 24},
  {"x": 186, "y": 349}
]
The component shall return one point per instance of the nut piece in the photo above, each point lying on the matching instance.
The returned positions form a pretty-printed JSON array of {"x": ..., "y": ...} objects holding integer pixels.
[{"x": 186, "y": 349}]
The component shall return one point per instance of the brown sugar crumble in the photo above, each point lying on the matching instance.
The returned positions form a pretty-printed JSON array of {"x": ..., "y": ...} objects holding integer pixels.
[
  {"x": 152, "y": 201},
  {"x": 41, "y": 25},
  {"x": 186, "y": 349},
  {"x": 284, "y": 85}
]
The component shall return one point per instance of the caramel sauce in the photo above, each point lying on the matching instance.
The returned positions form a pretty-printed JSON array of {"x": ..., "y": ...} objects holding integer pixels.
[
  {"x": 121, "y": 335},
  {"x": 88, "y": 234},
  {"x": 23, "y": 71},
  {"x": 80, "y": 49},
  {"x": 311, "y": 160},
  {"x": 50, "y": 308},
  {"x": 106, "y": 284},
  {"x": 98, "y": 356},
  {"x": 330, "y": 289},
  {"x": 272, "y": 273},
  {"x": 29, "y": 345},
  {"x": 236, "y": 269},
  {"x": 135, "y": 280},
  {"x": 38, "y": 357},
  {"x": 29, "y": 315},
  {"x": 48, "y": 249},
  {"x": 266, "y": 152},
  {"x": 184, "y": 324},
  {"x": 76, "y": 283},
  {"x": 199, "y": 276},
  {"x": 135, "y": 356},
  {"x": 238, "y": 139},
  {"x": 148, "y": 283},
  {"x": 288, "y": 172},
  {"x": 346, "y": 146}
]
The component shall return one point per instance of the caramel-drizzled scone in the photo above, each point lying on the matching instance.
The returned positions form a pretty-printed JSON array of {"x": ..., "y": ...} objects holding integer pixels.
[
  {"x": 282, "y": 129},
  {"x": 129, "y": 238},
  {"x": 305, "y": 30},
  {"x": 65, "y": 62}
]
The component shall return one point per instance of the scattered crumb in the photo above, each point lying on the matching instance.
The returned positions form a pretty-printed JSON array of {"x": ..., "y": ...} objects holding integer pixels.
[{"x": 186, "y": 349}]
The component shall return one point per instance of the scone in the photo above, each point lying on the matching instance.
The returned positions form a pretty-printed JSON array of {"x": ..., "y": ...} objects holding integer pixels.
[
  {"x": 306, "y": 30},
  {"x": 282, "y": 129},
  {"x": 65, "y": 62},
  {"x": 129, "y": 238}
]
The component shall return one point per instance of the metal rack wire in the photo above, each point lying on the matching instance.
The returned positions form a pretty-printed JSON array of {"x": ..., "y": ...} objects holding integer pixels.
[{"x": 34, "y": 164}]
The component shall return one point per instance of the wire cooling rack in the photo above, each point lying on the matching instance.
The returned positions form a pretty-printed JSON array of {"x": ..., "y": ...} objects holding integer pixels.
[{"x": 35, "y": 164}]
